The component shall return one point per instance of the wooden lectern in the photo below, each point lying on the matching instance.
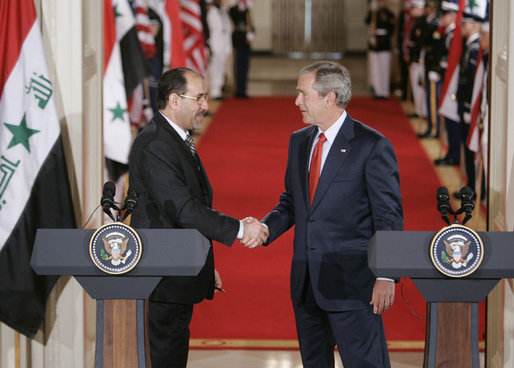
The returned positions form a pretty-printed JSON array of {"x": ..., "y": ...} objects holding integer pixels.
[
  {"x": 121, "y": 336},
  {"x": 407, "y": 254}
]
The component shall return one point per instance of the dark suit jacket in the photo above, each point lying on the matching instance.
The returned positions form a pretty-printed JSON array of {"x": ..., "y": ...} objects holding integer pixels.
[
  {"x": 358, "y": 193},
  {"x": 174, "y": 193}
]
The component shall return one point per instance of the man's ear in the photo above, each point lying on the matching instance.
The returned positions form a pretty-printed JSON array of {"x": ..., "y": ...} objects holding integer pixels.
[
  {"x": 331, "y": 98},
  {"x": 174, "y": 100}
]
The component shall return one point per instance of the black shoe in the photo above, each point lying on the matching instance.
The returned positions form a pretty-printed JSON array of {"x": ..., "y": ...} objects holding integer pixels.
[
  {"x": 242, "y": 96},
  {"x": 427, "y": 135},
  {"x": 446, "y": 162}
]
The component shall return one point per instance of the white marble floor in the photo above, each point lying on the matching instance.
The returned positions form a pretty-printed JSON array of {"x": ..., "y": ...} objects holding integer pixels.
[{"x": 278, "y": 359}]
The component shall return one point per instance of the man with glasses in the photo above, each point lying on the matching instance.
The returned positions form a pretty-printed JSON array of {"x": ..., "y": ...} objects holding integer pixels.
[{"x": 174, "y": 193}]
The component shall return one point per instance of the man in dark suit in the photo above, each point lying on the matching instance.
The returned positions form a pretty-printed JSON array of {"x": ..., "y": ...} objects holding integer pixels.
[
  {"x": 174, "y": 193},
  {"x": 341, "y": 185}
]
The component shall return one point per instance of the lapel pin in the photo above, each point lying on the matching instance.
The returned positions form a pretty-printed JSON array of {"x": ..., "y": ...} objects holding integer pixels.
[{"x": 343, "y": 149}]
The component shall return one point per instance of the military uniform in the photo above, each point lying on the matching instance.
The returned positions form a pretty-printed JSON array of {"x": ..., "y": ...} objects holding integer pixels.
[
  {"x": 453, "y": 129},
  {"x": 416, "y": 68},
  {"x": 379, "y": 44},
  {"x": 431, "y": 41},
  {"x": 464, "y": 94}
]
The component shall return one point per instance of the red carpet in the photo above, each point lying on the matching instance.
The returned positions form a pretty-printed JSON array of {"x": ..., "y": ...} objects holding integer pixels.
[{"x": 244, "y": 151}]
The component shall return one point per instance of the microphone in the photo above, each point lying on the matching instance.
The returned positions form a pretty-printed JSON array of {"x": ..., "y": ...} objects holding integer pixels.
[
  {"x": 467, "y": 204},
  {"x": 107, "y": 200},
  {"x": 443, "y": 204},
  {"x": 130, "y": 202}
]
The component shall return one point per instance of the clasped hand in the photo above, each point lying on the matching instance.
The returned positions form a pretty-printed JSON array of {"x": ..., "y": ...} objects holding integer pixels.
[{"x": 255, "y": 233}]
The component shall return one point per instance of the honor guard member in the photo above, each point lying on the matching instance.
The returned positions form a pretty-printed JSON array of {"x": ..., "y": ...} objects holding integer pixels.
[
  {"x": 416, "y": 69},
  {"x": 220, "y": 45},
  {"x": 448, "y": 16},
  {"x": 470, "y": 28},
  {"x": 381, "y": 23},
  {"x": 431, "y": 39}
]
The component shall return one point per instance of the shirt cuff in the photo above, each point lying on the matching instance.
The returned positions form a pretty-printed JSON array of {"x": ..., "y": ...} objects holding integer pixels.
[
  {"x": 241, "y": 230},
  {"x": 385, "y": 279}
]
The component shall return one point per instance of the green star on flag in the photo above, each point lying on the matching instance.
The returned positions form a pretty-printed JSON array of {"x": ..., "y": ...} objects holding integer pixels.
[
  {"x": 116, "y": 13},
  {"x": 472, "y": 4},
  {"x": 118, "y": 112},
  {"x": 21, "y": 133}
]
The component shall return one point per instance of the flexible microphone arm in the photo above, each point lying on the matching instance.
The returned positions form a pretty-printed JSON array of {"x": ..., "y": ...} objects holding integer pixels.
[
  {"x": 467, "y": 204},
  {"x": 130, "y": 203},
  {"x": 443, "y": 204}
]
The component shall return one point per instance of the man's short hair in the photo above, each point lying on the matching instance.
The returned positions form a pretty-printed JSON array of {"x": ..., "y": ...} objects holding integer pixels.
[
  {"x": 331, "y": 77},
  {"x": 172, "y": 81}
]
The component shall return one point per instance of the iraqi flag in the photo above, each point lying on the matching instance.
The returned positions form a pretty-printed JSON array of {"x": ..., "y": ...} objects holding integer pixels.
[
  {"x": 473, "y": 138},
  {"x": 34, "y": 187},
  {"x": 117, "y": 134},
  {"x": 173, "y": 41},
  {"x": 448, "y": 101},
  {"x": 135, "y": 69}
]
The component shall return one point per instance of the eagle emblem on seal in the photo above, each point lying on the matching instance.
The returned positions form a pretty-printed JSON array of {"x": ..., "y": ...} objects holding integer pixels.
[
  {"x": 457, "y": 251},
  {"x": 116, "y": 249}
]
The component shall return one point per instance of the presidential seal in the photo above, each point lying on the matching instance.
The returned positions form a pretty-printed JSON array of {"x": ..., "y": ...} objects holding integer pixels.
[
  {"x": 115, "y": 248},
  {"x": 456, "y": 251}
]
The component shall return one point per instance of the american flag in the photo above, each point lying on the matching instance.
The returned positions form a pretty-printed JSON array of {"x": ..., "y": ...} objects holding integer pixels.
[
  {"x": 143, "y": 28},
  {"x": 194, "y": 45}
]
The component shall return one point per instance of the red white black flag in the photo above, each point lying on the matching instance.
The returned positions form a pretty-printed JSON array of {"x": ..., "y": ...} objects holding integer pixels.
[{"x": 34, "y": 186}]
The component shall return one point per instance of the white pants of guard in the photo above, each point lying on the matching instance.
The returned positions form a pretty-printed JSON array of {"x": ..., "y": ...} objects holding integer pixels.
[
  {"x": 217, "y": 67},
  {"x": 380, "y": 69},
  {"x": 417, "y": 80}
]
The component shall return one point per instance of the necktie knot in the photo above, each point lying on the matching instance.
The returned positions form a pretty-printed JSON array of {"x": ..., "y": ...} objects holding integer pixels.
[
  {"x": 322, "y": 138},
  {"x": 191, "y": 144}
]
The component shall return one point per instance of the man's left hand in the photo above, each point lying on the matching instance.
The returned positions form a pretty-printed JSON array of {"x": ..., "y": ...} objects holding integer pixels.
[{"x": 383, "y": 296}]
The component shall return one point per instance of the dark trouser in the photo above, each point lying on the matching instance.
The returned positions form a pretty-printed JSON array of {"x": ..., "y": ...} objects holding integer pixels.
[
  {"x": 169, "y": 334},
  {"x": 469, "y": 157},
  {"x": 404, "y": 73},
  {"x": 242, "y": 67},
  {"x": 358, "y": 334},
  {"x": 430, "y": 128},
  {"x": 454, "y": 139}
]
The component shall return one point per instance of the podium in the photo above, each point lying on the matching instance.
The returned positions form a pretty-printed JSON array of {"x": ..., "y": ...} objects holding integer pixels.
[
  {"x": 399, "y": 254},
  {"x": 121, "y": 336}
]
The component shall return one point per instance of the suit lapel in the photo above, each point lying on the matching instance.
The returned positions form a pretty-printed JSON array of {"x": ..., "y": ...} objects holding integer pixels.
[
  {"x": 205, "y": 181},
  {"x": 336, "y": 157},
  {"x": 304, "y": 154},
  {"x": 193, "y": 162}
]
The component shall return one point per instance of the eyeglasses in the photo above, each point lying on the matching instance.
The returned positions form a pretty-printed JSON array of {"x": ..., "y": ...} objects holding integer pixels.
[{"x": 199, "y": 99}]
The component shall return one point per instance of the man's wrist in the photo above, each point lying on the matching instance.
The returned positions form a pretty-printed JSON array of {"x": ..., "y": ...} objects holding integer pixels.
[{"x": 241, "y": 231}]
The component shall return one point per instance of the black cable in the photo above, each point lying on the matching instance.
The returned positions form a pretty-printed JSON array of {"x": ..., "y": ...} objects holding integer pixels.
[
  {"x": 407, "y": 302},
  {"x": 92, "y": 213}
]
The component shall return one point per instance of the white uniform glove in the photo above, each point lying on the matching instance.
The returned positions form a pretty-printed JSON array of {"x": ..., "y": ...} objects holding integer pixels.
[{"x": 433, "y": 76}]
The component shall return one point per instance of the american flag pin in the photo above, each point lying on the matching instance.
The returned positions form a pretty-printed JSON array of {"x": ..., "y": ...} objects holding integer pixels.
[{"x": 343, "y": 149}]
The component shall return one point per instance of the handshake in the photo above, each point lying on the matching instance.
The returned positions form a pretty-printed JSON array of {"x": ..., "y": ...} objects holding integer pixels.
[{"x": 254, "y": 234}]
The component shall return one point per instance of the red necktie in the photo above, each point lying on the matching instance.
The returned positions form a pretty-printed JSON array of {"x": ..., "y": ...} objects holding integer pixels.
[{"x": 315, "y": 168}]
